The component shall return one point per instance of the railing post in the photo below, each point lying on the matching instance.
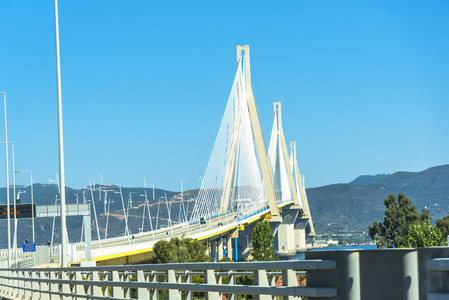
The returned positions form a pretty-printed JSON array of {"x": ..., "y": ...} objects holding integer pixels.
[
  {"x": 188, "y": 280},
  {"x": 272, "y": 280},
  {"x": 4, "y": 288},
  {"x": 44, "y": 286},
  {"x": 7, "y": 290},
  {"x": 209, "y": 278},
  {"x": 117, "y": 291},
  {"x": 127, "y": 291},
  {"x": 96, "y": 290},
  {"x": 54, "y": 287},
  {"x": 28, "y": 284},
  {"x": 260, "y": 279},
  {"x": 142, "y": 293},
  {"x": 21, "y": 284},
  {"x": 35, "y": 285},
  {"x": 353, "y": 276},
  {"x": 171, "y": 278},
  {"x": 289, "y": 279},
  {"x": 78, "y": 288},
  {"x": 11, "y": 284},
  {"x": 2, "y": 282},
  {"x": 65, "y": 286},
  {"x": 231, "y": 281},
  {"x": 107, "y": 289},
  {"x": 14, "y": 284},
  {"x": 154, "y": 292}
]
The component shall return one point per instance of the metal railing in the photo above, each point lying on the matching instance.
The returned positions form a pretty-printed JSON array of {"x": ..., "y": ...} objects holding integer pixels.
[
  {"x": 17, "y": 256},
  {"x": 175, "y": 281}
]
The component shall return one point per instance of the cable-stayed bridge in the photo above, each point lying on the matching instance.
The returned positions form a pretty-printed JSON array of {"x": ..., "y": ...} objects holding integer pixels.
[{"x": 244, "y": 183}]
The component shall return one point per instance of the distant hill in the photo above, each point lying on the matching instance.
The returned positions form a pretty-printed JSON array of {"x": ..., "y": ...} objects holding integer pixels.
[
  {"x": 368, "y": 179},
  {"x": 356, "y": 206},
  {"x": 333, "y": 207},
  {"x": 45, "y": 194}
]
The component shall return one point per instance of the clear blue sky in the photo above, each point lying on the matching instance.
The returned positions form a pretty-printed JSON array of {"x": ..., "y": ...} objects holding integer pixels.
[{"x": 364, "y": 85}]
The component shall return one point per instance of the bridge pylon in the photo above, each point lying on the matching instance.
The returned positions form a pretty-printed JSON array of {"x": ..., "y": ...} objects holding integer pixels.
[
  {"x": 238, "y": 176},
  {"x": 295, "y": 232},
  {"x": 300, "y": 187},
  {"x": 280, "y": 166}
]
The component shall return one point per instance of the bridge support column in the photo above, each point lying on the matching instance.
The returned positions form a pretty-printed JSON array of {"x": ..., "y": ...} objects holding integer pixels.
[
  {"x": 285, "y": 234},
  {"x": 229, "y": 246},
  {"x": 286, "y": 239},
  {"x": 213, "y": 250},
  {"x": 88, "y": 236},
  {"x": 300, "y": 228},
  {"x": 300, "y": 239},
  {"x": 220, "y": 249}
]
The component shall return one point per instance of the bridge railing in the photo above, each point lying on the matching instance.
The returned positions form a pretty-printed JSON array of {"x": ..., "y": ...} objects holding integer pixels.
[
  {"x": 175, "y": 281},
  {"x": 17, "y": 256}
]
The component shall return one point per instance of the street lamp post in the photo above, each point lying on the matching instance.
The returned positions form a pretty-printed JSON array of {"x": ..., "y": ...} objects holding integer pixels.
[
  {"x": 7, "y": 183},
  {"x": 32, "y": 198},
  {"x": 61, "y": 145},
  {"x": 14, "y": 203}
]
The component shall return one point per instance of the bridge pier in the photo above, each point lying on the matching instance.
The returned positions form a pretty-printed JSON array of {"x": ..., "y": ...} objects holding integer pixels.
[
  {"x": 213, "y": 250},
  {"x": 220, "y": 249},
  {"x": 301, "y": 236},
  {"x": 284, "y": 236},
  {"x": 88, "y": 235},
  {"x": 229, "y": 246}
]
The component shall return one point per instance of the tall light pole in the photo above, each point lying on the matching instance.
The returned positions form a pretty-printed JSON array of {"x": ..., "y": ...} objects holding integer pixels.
[
  {"x": 7, "y": 183},
  {"x": 61, "y": 145},
  {"x": 14, "y": 203},
  {"x": 32, "y": 198}
]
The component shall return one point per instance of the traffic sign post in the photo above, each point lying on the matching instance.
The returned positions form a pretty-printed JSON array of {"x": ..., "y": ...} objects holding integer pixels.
[{"x": 23, "y": 211}]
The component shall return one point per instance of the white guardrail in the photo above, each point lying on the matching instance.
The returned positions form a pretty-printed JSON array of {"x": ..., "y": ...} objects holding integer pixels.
[{"x": 174, "y": 281}]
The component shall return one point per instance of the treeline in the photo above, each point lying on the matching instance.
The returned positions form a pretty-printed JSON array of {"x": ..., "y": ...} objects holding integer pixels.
[{"x": 405, "y": 227}]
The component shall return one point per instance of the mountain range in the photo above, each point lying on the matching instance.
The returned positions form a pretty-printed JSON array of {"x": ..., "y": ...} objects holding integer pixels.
[
  {"x": 335, "y": 207},
  {"x": 358, "y": 204}
]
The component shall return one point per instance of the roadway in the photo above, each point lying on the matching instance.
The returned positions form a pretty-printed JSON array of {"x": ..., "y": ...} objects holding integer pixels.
[{"x": 139, "y": 247}]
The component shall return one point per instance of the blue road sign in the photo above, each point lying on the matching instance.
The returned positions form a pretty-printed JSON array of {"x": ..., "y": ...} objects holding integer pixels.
[{"x": 29, "y": 247}]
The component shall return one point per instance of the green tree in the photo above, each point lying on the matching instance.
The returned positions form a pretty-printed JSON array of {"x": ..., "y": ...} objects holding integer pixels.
[
  {"x": 443, "y": 225},
  {"x": 423, "y": 234},
  {"x": 162, "y": 252},
  {"x": 180, "y": 251},
  {"x": 262, "y": 240},
  {"x": 400, "y": 214}
]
